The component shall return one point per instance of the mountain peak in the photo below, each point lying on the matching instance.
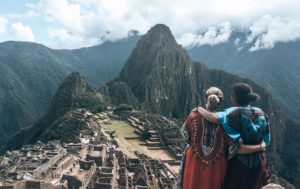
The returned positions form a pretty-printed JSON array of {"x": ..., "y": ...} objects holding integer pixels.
[
  {"x": 161, "y": 28},
  {"x": 157, "y": 67},
  {"x": 68, "y": 96},
  {"x": 75, "y": 76},
  {"x": 156, "y": 50},
  {"x": 159, "y": 34}
]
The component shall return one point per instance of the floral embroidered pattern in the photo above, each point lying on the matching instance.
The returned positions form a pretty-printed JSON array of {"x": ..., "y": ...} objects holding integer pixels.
[{"x": 207, "y": 140}]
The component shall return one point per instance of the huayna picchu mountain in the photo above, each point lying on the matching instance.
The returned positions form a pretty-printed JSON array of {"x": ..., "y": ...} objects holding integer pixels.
[
  {"x": 164, "y": 80},
  {"x": 74, "y": 93},
  {"x": 160, "y": 75}
]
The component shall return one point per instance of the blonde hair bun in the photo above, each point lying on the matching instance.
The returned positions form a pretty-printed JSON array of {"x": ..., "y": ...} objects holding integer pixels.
[{"x": 214, "y": 97}]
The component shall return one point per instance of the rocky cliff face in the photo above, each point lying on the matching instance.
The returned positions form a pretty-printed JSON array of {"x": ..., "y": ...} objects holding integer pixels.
[
  {"x": 166, "y": 81},
  {"x": 74, "y": 92},
  {"x": 116, "y": 93},
  {"x": 160, "y": 74},
  {"x": 289, "y": 152}
]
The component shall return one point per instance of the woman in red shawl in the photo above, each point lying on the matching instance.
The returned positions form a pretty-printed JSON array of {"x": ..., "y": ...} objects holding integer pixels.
[{"x": 205, "y": 161}]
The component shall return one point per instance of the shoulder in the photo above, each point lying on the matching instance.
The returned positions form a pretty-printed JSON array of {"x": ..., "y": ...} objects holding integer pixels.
[
  {"x": 258, "y": 111},
  {"x": 234, "y": 112},
  {"x": 231, "y": 109},
  {"x": 194, "y": 113},
  {"x": 228, "y": 111}
]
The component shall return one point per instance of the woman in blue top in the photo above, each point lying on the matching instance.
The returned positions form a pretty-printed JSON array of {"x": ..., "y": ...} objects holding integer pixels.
[{"x": 247, "y": 124}]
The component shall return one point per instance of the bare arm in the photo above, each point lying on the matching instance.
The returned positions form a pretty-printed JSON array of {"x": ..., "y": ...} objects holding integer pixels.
[
  {"x": 210, "y": 116},
  {"x": 247, "y": 149}
]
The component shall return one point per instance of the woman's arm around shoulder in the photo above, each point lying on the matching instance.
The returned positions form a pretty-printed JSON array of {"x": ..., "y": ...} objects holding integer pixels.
[{"x": 239, "y": 148}]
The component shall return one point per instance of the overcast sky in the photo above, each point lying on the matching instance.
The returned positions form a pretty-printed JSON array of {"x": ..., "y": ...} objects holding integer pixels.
[{"x": 80, "y": 23}]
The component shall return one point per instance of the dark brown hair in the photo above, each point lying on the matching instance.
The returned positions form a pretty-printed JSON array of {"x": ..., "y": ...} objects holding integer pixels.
[{"x": 243, "y": 94}]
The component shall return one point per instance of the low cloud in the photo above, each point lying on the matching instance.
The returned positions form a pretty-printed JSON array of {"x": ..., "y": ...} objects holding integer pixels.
[
  {"x": 22, "y": 32},
  {"x": 63, "y": 38},
  {"x": 61, "y": 12},
  {"x": 212, "y": 36},
  {"x": 268, "y": 31},
  {"x": 89, "y": 20},
  {"x": 193, "y": 22}
]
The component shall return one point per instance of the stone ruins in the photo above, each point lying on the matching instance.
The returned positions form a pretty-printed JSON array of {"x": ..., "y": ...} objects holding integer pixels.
[{"x": 97, "y": 161}]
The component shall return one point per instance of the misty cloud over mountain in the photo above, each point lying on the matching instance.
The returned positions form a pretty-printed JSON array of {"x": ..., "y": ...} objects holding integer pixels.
[{"x": 80, "y": 23}]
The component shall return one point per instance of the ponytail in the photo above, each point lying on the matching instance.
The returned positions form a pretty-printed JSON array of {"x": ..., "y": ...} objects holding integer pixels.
[
  {"x": 253, "y": 97},
  {"x": 212, "y": 102},
  {"x": 243, "y": 94},
  {"x": 214, "y": 97}
]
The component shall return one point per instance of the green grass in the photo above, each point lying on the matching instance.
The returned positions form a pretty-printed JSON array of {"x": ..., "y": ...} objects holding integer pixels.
[{"x": 123, "y": 129}]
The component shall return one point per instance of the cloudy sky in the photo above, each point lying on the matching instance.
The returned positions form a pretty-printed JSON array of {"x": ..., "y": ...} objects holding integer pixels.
[{"x": 80, "y": 23}]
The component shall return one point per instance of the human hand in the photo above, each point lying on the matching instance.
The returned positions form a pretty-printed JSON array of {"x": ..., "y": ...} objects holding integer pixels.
[
  {"x": 263, "y": 146},
  {"x": 195, "y": 109},
  {"x": 198, "y": 109}
]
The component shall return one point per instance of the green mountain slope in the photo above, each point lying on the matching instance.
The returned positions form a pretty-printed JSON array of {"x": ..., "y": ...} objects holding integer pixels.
[
  {"x": 74, "y": 93},
  {"x": 31, "y": 73}
]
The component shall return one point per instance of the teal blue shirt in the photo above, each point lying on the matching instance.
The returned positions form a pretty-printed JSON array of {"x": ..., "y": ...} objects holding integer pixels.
[{"x": 248, "y": 123}]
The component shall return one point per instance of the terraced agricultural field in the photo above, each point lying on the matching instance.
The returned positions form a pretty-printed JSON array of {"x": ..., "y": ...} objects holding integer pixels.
[{"x": 124, "y": 130}]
